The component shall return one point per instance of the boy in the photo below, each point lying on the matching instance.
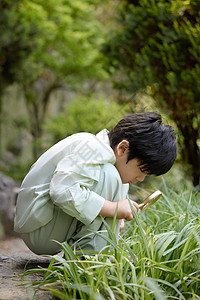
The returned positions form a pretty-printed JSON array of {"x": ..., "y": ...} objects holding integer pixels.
[{"x": 86, "y": 177}]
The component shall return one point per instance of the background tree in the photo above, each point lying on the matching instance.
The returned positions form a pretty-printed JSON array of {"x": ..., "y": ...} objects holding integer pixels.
[
  {"x": 18, "y": 43},
  {"x": 57, "y": 42},
  {"x": 157, "y": 47},
  {"x": 86, "y": 114}
]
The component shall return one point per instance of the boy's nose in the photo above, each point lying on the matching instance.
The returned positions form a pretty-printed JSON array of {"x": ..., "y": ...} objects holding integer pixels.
[{"x": 141, "y": 178}]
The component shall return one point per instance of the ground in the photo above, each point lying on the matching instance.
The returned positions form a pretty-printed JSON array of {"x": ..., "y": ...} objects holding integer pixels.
[{"x": 15, "y": 257}]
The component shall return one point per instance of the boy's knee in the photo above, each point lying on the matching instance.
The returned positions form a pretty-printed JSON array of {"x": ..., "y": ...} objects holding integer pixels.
[
  {"x": 110, "y": 184},
  {"x": 110, "y": 174}
]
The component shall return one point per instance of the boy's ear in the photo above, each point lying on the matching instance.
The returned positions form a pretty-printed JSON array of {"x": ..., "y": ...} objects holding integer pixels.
[{"x": 123, "y": 147}]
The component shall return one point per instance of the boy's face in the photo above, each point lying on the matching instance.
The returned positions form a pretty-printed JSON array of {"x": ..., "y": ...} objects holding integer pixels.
[{"x": 129, "y": 172}]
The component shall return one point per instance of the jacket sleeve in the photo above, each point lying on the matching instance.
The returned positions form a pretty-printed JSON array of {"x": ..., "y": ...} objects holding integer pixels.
[
  {"x": 71, "y": 192},
  {"x": 75, "y": 177}
]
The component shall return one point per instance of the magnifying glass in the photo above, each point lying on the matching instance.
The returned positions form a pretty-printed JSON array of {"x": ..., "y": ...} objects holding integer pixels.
[{"x": 151, "y": 199}]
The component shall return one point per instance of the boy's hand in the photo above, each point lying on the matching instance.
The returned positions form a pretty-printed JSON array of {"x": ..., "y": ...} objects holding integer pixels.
[
  {"x": 122, "y": 224},
  {"x": 123, "y": 212}
]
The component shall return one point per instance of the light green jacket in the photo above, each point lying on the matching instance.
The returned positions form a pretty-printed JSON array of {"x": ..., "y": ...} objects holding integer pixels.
[{"x": 65, "y": 176}]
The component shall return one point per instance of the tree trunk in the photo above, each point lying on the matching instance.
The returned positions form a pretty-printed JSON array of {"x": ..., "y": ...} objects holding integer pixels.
[
  {"x": 33, "y": 109},
  {"x": 36, "y": 131},
  {"x": 192, "y": 152},
  {"x": 37, "y": 113},
  {"x": 1, "y": 116}
]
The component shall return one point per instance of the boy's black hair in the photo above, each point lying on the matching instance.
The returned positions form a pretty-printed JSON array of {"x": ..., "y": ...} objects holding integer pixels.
[{"x": 150, "y": 141}]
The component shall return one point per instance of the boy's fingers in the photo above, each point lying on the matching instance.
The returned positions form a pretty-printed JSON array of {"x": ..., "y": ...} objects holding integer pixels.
[
  {"x": 135, "y": 206},
  {"x": 121, "y": 225},
  {"x": 130, "y": 217}
]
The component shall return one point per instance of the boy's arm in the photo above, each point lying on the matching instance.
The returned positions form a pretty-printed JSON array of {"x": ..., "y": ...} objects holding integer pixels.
[{"x": 123, "y": 209}]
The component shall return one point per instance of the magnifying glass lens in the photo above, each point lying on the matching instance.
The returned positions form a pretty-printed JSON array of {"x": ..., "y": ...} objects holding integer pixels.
[{"x": 151, "y": 199}]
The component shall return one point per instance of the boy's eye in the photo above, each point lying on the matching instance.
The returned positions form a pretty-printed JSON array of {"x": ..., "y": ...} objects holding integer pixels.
[{"x": 142, "y": 170}]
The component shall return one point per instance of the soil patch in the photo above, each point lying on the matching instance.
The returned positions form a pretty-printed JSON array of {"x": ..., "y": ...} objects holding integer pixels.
[{"x": 15, "y": 258}]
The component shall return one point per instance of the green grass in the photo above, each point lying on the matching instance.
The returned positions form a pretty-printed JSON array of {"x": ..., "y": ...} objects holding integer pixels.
[{"x": 157, "y": 257}]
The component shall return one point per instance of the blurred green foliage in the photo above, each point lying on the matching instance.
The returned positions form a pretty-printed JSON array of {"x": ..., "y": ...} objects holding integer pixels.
[
  {"x": 45, "y": 46},
  {"x": 156, "y": 47},
  {"x": 40, "y": 38},
  {"x": 86, "y": 114}
]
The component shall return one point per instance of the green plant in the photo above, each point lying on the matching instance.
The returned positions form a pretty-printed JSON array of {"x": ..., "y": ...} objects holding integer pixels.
[{"x": 157, "y": 257}]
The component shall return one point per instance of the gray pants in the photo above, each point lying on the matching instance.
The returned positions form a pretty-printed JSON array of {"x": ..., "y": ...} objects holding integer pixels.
[{"x": 64, "y": 228}]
